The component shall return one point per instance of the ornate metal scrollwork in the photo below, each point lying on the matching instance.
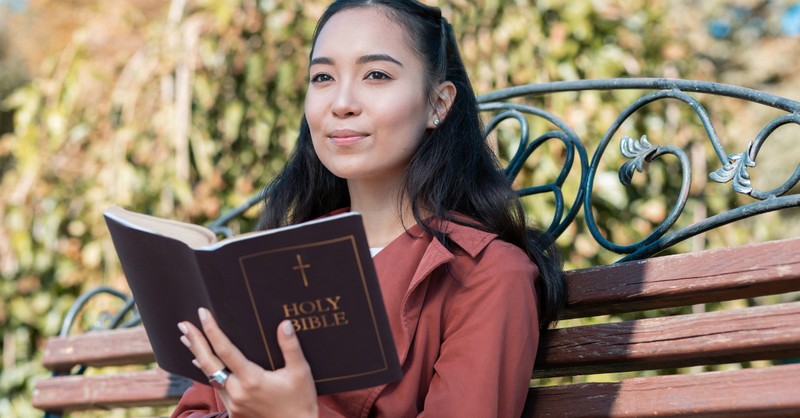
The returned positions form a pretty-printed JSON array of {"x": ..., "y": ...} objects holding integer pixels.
[
  {"x": 736, "y": 170},
  {"x": 107, "y": 320},
  {"x": 572, "y": 146},
  {"x": 734, "y": 167},
  {"x": 640, "y": 152}
]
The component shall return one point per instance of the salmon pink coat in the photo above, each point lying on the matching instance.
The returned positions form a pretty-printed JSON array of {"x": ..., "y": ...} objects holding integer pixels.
[{"x": 465, "y": 324}]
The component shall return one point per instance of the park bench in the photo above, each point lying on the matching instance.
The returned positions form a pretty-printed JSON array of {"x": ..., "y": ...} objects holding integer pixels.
[{"x": 737, "y": 361}]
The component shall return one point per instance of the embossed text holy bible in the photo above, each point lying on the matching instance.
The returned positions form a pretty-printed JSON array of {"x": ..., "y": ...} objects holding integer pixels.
[{"x": 317, "y": 274}]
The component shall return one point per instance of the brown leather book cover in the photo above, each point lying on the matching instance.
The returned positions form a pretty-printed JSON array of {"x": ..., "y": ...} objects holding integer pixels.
[{"x": 318, "y": 274}]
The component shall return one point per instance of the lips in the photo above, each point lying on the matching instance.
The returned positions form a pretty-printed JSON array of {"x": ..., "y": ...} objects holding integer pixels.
[{"x": 345, "y": 137}]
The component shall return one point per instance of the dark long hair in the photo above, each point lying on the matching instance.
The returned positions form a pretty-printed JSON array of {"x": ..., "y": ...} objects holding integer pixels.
[{"x": 453, "y": 171}]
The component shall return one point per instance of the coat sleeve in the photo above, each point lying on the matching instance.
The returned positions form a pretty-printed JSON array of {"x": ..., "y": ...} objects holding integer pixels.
[
  {"x": 200, "y": 401},
  {"x": 489, "y": 340}
]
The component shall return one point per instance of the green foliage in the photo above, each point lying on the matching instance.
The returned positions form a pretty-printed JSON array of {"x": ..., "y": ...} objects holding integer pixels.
[{"x": 201, "y": 108}]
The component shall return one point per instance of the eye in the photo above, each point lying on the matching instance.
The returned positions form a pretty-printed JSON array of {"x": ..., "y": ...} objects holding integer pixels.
[
  {"x": 321, "y": 77},
  {"x": 377, "y": 75}
]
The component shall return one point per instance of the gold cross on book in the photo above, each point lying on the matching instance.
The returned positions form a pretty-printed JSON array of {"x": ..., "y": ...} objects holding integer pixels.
[{"x": 302, "y": 267}]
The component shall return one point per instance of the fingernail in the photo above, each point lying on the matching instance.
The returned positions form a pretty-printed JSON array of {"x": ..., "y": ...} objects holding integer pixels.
[
  {"x": 196, "y": 364},
  {"x": 288, "y": 329},
  {"x": 203, "y": 313},
  {"x": 185, "y": 341},
  {"x": 184, "y": 329}
]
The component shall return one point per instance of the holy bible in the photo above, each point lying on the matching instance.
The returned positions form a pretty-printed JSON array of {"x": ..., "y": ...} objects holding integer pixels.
[{"x": 318, "y": 274}]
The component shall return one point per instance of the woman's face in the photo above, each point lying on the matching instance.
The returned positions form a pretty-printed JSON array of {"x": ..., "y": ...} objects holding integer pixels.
[{"x": 366, "y": 104}]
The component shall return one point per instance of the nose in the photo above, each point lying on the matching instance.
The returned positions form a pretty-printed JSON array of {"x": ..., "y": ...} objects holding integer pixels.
[{"x": 346, "y": 102}]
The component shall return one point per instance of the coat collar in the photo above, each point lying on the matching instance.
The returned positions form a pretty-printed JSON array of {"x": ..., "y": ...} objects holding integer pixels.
[
  {"x": 468, "y": 238},
  {"x": 431, "y": 254}
]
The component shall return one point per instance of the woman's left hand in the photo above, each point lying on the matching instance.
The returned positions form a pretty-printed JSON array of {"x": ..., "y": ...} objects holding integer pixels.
[{"x": 250, "y": 390}]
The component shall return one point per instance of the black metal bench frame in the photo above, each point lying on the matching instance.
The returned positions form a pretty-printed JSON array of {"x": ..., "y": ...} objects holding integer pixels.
[{"x": 503, "y": 105}]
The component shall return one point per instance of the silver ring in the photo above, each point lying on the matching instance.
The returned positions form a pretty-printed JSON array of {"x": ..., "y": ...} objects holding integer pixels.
[{"x": 218, "y": 378}]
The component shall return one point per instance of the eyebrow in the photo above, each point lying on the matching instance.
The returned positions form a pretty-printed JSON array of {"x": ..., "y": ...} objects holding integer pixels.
[{"x": 361, "y": 60}]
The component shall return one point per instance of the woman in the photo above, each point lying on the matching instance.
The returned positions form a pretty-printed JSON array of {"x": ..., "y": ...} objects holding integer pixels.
[{"x": 391, "y": 130}]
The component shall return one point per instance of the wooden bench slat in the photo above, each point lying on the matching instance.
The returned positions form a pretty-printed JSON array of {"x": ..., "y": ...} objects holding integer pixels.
[
  {"x": 763, "y": 332},
  {"x": 756, "y": 333},
  {"x": 737, "y": 393},
  {"x": 99, "y": 348},
  {"x": 128, "y": 389},
  {"x": 685, "y": 279}
]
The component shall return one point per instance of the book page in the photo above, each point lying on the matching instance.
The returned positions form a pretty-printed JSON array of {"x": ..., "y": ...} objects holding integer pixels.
[
  {"x": 194, "y": 236},
  {"x": 253, "y": 234}
]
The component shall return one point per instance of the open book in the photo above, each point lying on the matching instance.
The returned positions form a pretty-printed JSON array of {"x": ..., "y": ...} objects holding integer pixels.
[{"x": 318, "y": 274}]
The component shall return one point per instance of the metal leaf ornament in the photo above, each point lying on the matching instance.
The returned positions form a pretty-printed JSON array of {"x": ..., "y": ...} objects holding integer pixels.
[
  {"x": 736, "y": 170},
  {"x": 639, "y": 151}
]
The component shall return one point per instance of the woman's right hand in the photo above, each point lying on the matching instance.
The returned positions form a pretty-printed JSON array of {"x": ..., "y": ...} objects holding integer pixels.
[{"x": 251, "y": 391}]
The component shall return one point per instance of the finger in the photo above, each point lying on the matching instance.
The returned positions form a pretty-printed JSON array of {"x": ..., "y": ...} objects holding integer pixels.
[
  {"x": 222, "y": 345},
  {"x": 290, "y": 346},
  {"x": 195, "y": 341}
]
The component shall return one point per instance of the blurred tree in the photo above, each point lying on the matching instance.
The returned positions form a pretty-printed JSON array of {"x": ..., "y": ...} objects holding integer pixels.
[{"x": 12, "y": 69}]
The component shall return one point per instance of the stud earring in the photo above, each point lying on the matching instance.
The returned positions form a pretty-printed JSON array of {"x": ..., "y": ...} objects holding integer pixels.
[{"x": 436, "y": 122}]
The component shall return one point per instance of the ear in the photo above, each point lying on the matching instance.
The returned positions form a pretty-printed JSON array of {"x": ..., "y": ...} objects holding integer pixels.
[{"x": 441, "y": 101}]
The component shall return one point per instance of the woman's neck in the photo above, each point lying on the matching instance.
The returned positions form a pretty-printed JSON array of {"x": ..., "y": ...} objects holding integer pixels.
[{"x": 380, "y": 209}]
